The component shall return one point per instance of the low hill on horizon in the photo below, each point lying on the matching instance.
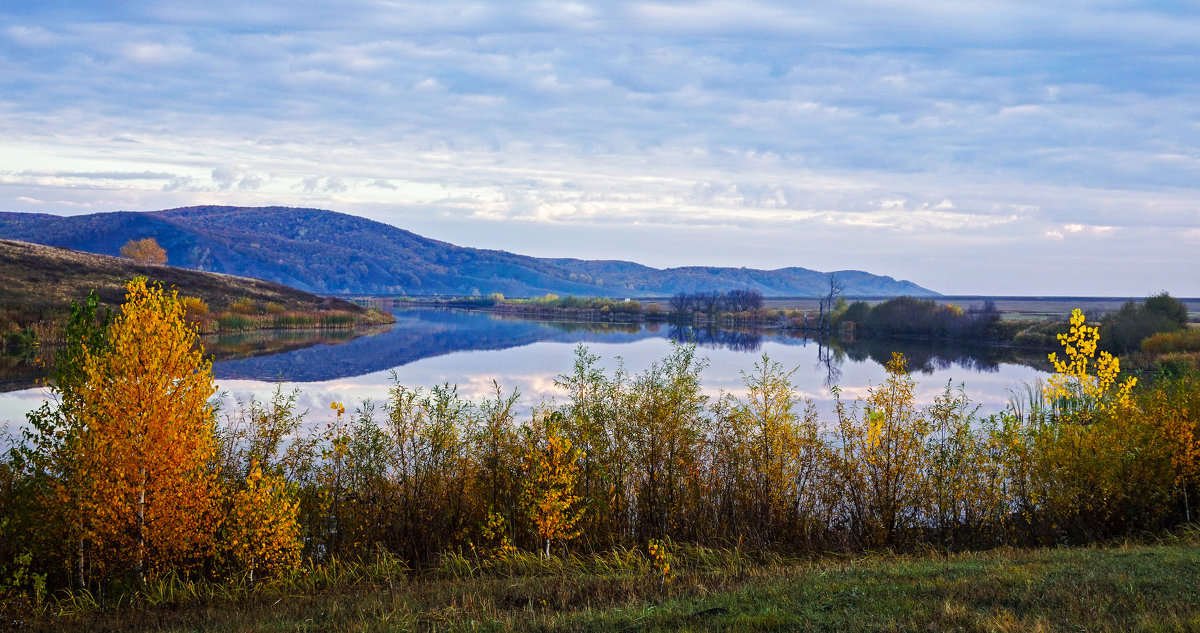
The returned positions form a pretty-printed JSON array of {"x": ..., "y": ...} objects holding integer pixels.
[{"x": 330, "y": 252}]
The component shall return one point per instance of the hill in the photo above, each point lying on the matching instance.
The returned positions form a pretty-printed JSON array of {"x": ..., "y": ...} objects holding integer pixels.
[
  {"x": 326, "y": 251},
  {"x": 40, "y": 282}
]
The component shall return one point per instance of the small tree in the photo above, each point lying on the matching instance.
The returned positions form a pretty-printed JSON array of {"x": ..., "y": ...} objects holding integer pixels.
[
  {"x": 146, "y": 251},
  {"x": 551, "y": 472},
  {"x": 826, "y": 303},
  {"x": 133, "y": 469}
]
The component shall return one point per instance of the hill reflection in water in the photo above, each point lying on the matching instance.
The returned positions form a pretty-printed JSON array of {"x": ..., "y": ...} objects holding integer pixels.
[
  {"x": 425, "y": 333},
  {"x": 427, "y": 347}
]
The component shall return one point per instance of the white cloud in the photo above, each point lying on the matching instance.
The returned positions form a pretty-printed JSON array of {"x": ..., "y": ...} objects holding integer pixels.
[
  {"x": 155, "y": 53},
  {"x": 997, "y": 123}
]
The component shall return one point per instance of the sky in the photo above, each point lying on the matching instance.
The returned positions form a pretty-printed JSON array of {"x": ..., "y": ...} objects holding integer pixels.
[{"x": 997, "y": 147}]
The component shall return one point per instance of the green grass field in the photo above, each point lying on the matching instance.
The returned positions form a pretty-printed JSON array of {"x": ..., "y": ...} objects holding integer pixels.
[{"x": 1152, "y": 585}]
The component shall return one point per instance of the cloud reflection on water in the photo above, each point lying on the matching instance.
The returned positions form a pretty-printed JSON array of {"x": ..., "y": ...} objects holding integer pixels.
[{"x": 433, "y": 347}]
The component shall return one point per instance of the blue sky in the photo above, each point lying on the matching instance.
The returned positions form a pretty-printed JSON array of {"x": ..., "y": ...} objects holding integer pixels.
[{"x": 984, "y": 147}]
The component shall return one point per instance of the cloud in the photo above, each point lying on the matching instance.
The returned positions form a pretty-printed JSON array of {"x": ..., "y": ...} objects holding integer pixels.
[
  {"x": 223, "y": 177},
  {"x": 323, "y": 184},
  {"x": 998, "y": 123},
  {"x": 32, "y": 36},
  {"x": 156, "y": 53}
]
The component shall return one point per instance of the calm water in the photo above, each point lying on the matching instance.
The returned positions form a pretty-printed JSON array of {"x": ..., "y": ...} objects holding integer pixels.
[{"x": 428, "y": 347}]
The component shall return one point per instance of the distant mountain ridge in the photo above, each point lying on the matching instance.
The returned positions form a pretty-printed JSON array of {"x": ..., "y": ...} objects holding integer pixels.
[{"x": 331, "y": 252}]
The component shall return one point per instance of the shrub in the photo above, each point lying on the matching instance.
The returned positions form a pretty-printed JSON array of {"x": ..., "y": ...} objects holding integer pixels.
[
  {"x": 242, "y": 306},
  {"x": 1171, "y": 342},
  {"x": 1125, "y": 329},
  {"x": 194, "y": 307}
]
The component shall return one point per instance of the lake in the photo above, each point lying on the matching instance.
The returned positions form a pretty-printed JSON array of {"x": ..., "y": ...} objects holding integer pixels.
[{"x": 428, "y": 347}]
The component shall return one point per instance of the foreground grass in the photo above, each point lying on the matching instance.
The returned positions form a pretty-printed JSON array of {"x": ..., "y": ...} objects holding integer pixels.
[{"x": 1149, "y": 586}]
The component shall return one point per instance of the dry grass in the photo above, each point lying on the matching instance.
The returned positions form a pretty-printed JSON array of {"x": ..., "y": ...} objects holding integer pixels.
[
  {"x": 41, "y": 281},
  {"x": 1142, "y": 586}
]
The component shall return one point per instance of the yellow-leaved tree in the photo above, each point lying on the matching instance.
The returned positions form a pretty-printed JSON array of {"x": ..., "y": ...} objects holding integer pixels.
[
  {"x": 146, "y": 251},
  {"x": 145, "y": 489},
  {"x": 552, "y": 471}
]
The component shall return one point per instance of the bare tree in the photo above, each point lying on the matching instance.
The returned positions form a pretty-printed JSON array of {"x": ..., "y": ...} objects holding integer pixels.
[
  {"x": 743, "y": 300},
  {"x": 825, "y": 305},
  {"x": 681, "y": 303}
]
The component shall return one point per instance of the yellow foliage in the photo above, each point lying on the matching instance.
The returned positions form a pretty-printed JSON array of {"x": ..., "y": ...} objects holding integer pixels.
[
  {"x": 551, "y": 472},
  {"x": 882, "y": 459},
  {"x": 1073, "y": 387},
  {"x": 193, "y": 307},
  {"x": 145, "y": 492},
  {"x": 260, "y": 533},
  {"x": 145, "y": 250},
  {"x": 242, "y": 306},
  {"x": 660, "y": 557}
]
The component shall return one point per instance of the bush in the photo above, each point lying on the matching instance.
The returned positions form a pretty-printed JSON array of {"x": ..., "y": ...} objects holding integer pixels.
[
  {"x": 194, "y": 307},
  {"x": 242, "y": 306},
  {"x": 1125, "y": 329},
  {"x": 856, "y": 312},
  {"x": 1171, "y": 342}
]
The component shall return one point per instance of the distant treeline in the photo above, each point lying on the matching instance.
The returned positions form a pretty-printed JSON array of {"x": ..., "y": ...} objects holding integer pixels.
[
  {"x": 711, "y": 303},
  {"x": 906, "y": 317}
]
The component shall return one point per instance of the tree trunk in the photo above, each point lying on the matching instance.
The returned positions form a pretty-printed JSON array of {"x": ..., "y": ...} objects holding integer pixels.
[{"x": 139, "y": 566}]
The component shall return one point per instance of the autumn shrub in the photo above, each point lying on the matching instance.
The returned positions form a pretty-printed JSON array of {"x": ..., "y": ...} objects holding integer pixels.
[
  {"x": 551, "y": 471},
  {"x": 244, "y": 305},
  {"x": 1089, "y": 460},
  {"x": 766, "y": 459},
  {"x": 144, "y": 250},
  {"x": 194, "y": 308},
  {"x": 1173, "y": 342},
  {"x": 879, "y": 461},
  {"x": 259, "y": 533}
]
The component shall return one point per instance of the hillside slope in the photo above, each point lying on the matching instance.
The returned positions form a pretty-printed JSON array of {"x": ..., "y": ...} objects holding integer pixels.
[
  {"x": 326, "y": 251},
  {"x": 39, "y": 283}
]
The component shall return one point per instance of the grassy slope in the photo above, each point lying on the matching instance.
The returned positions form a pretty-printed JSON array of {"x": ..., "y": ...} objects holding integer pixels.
[
  {"x": 1122, "y": 587},
  {"x": 40, "y": 281}
]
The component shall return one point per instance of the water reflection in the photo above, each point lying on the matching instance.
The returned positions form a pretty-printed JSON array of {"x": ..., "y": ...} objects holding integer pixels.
[
  {"x": 739, "y": 341},
  {"x": 425, "y": 333},
  {"x": 419, "y": 334},
  {"x": 471, "y": 349}
]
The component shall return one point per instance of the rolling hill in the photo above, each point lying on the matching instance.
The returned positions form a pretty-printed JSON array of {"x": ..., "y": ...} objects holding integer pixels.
[
  {"x": 330, "y": 252},
  {"x": 41, "y": 281}
]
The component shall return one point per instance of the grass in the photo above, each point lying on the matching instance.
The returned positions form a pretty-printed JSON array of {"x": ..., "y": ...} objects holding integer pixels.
[
  {"x": 41, "y": 281},
  {"x": 1150, "y": 585}
]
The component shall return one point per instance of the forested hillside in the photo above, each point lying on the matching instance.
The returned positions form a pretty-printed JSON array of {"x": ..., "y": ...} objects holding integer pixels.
[{"x": 325, "y": 251}]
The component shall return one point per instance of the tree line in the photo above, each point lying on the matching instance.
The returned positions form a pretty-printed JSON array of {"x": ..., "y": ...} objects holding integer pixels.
[{"x": 713, "y": 302}]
